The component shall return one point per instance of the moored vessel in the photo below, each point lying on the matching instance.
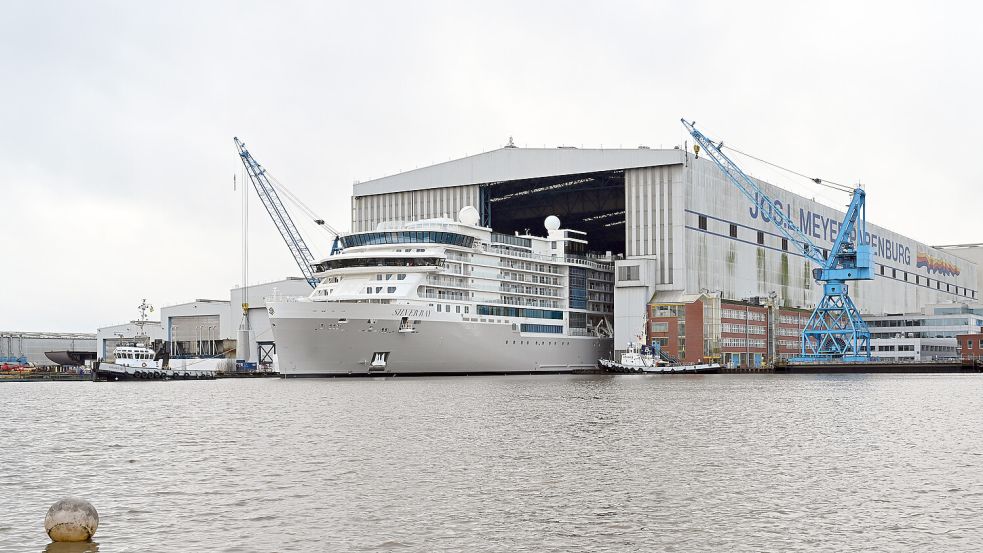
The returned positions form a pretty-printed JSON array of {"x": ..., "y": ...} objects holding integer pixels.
[
  {"x": 444, "y": 296},
  {"x": 646, "y": 359},
  {"x": 136, "y": 361}
]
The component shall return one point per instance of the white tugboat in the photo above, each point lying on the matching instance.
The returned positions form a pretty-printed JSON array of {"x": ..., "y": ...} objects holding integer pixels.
[
  {"x": 644, "y": 359},
  {"x": 138, "y": 362}
]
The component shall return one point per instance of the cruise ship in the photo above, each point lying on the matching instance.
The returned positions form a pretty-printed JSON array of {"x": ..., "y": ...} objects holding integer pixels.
[{"x": 445, "y": 296}]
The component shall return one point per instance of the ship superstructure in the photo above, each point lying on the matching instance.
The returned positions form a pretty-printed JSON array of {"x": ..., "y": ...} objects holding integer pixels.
[{"x": 442, "y": 296}]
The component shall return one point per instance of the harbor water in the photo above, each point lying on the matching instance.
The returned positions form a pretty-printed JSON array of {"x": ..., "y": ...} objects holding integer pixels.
[{"x": 512, "y": 463}]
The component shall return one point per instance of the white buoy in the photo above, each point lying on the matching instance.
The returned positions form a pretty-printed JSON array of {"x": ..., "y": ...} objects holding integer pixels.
[{"x": 71, "y": 519}]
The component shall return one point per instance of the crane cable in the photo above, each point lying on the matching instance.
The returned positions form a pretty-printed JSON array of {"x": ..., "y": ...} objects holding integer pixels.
[
  {"x": 817, "y": 180},
  {"x": 292, "y": 198}
]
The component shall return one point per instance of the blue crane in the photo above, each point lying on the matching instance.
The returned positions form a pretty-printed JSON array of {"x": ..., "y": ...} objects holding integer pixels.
[
  {"x": 835, "y": 331},
  {"x": 281, "y": 218}
]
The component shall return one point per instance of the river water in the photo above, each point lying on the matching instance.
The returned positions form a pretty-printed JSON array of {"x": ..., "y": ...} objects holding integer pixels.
[{"x": 512, "y": 463}]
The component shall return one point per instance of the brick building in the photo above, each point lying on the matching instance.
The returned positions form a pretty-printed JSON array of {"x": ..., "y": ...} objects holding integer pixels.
[
  {"x": 704, "y": 327},
  {"x": 970, "y": 346}
]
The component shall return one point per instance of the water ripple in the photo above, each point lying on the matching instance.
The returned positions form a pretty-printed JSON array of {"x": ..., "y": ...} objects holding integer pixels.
[{"x": 533, "y": 463}]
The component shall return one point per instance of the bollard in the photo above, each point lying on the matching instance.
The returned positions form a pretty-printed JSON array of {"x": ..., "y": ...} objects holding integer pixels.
[{"x": 71, "y": 519}]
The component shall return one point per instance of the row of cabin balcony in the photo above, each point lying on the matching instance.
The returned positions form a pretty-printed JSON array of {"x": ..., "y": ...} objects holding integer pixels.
[
  {"x": 554, "y": 258},
  {"x": 526, "y": 291}
]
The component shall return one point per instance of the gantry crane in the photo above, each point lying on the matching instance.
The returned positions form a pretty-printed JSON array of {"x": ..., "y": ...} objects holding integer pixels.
[
  {"x": 281, "y": 218},
  {"x": 835, "y": 331}
]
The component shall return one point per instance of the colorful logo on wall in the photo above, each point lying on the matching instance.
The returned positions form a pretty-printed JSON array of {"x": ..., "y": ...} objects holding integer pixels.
[{"x": 936, "y": 265}]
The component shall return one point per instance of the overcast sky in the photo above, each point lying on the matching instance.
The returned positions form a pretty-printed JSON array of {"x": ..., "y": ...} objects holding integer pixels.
[{"x": 117, "y": 118}]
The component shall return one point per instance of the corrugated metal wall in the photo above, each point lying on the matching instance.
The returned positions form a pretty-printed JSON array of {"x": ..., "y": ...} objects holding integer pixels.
[
  {"x": 369, "y": 211},
  {"x": 649, "y": 215},
  {"x": 723, "y": 253}
]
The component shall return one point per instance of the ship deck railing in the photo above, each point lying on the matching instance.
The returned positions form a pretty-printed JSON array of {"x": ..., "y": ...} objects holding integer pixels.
[{"x": 607, "y": 267}]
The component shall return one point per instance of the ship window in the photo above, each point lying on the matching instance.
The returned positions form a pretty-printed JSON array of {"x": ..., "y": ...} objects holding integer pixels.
[
  {"x": 420, "y": 250},
  {"x": 457, "y": 308},
  {"x": 447, "y": 308},
  {"x": 391, "y": 290},
  {"x": 378, "y": 276},
  {"x": 389, "y": 276},
  {"x": 439, "y": 307},
  {"x": 378, "y": 289},
  {"x": 368, "y": 290},
  {"x": 401, "y": 276},
  {"x": 467, "y": 309}
]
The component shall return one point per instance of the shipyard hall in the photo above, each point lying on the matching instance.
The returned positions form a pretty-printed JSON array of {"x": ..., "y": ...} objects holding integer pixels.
[{"x": 701, "y": 269}]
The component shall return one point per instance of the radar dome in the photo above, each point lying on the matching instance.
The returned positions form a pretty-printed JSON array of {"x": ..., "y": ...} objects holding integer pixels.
[
  {"x": 552, "y": 223},
  {"x": 468, "y": 216}
]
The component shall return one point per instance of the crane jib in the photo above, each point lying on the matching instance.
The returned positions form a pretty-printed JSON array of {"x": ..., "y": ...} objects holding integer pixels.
[{"x": 278, "y": 213}]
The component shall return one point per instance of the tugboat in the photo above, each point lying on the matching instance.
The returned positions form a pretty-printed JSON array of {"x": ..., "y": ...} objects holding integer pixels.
[
  {"x": 138, "y": 362},
  {"x": 640, "y": 358}
]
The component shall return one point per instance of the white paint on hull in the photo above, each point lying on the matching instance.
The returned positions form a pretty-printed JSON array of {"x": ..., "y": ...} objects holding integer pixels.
[{"x": 312, "y": 340}]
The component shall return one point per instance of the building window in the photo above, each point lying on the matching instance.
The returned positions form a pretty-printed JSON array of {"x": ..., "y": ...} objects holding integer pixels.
[
  {"x": 894, "y": 273},
  {"x": 628, "y": 272},
  {"x": 938, "y": 285},
  {"x": 761, "y": 238},
  {"x": 660, "y": 327},
  {"x": 702, "y": 222},
  {"x": 969, "y": 344},
  {"x": 546, "y": 329},
  {"x": 882, "y": 270},
  {"x": 785, "y": 244},
  {"x": 733, "y": 230}
]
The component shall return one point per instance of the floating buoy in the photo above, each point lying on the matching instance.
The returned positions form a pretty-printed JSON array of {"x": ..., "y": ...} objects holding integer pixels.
[{"x": 71, "y": 519}]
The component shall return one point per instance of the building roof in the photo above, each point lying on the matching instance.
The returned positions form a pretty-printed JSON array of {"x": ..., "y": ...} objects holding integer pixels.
[
  {"x": 677, "y": 296},
  {"x": 507, "y": 164}
]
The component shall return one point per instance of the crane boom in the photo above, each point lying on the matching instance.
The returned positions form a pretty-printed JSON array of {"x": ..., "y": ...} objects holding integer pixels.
[
  {"x": 281, "y": 218},
  {"x": 755, "y": 194},
  {"x": 836, "y": 329}
]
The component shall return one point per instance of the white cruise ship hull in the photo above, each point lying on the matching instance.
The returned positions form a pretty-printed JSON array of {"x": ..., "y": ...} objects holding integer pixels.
[{"x": 359, "y": 339}]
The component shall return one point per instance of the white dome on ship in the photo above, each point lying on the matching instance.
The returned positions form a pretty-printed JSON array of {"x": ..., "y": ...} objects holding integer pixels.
[
  {"x": 468, "y": 216},
  {"x": 552, "y": 223}
]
